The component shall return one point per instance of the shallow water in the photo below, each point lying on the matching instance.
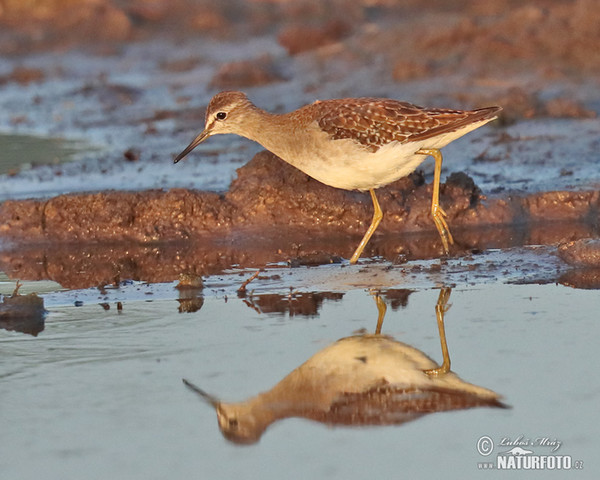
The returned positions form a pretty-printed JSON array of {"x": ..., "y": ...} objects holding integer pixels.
[
  {"x": 98, "y": 393},
  {"x": 21, "y": 152}
]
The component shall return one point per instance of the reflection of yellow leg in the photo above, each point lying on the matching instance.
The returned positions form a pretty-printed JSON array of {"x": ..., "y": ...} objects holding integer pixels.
[
  {"x": 440, "y": 309},
  {"x": 436, "y": 211},
  {"x": 377, "y": 216},
  {"x": 381, "y": 309}
]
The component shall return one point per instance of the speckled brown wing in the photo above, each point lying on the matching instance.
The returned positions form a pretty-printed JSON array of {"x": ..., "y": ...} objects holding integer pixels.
[
  {"x": 374, "y": 122},
  {"x": 389, "y": 405},
  {"x": 450, "y": 120}
]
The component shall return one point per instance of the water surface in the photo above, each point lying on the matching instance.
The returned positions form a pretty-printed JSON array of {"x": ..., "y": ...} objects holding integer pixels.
[{"x": 98, "y": 393}]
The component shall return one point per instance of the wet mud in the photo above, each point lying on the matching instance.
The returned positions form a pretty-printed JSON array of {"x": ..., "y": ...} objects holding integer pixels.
[
  {"x": 396, "y": 259},
  {"x": 584, "y": 256},
  {"x": 582, "y": 253},
  {"x": 270, "y": 195}
]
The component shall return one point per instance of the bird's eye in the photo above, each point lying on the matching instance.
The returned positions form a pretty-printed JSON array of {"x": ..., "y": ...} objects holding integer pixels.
[
  {"x": 233, "y": 423},
  {"x": 221, "y": 115}
]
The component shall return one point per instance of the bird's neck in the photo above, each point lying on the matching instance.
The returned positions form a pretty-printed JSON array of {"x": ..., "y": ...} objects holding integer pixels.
[
  {"x": 277, "y": 133},
  {"x": 294, "y": 396}
]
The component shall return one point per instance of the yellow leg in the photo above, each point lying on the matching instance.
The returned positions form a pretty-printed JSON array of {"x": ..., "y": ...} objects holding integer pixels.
[
  {"x": 436, "y": 211},
  {"x": 377, "y": 216},
  {"x": 440, "y": 310}
]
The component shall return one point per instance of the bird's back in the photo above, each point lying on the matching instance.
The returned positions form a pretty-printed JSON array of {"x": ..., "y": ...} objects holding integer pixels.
[{"x": 374, "y": 122}]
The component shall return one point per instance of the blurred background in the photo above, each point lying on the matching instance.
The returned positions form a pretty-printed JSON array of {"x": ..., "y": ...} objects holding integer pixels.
[{"x": 125, "y": 81}]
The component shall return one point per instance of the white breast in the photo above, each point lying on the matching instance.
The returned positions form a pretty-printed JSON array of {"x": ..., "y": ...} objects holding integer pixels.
[{"x": 355, "y": 168}]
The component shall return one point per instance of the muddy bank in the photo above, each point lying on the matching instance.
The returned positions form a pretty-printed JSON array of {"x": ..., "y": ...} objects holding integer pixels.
[{"x": 270, "y": 195}]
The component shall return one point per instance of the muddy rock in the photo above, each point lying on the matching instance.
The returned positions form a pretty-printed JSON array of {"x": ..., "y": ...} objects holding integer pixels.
[
  {"x": 109, "y": 216},
  {"x": 245, "y": 73},
  {"x": 583, "y": 253},
  {"x": 300, "y": 38},
  {"x": 63, "y": 23},
  {"x": 561, "y": 206},
  {"x": 23, "y": 216},
  {"x": 522, "y": 35}
]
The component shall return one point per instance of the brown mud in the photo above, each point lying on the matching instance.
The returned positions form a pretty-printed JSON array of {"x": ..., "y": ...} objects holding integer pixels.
[
  {"x": 584, "y": 255},
  {"x": 501, "y": 45},
  {"x": 268, "y": 195},
  {"x": 479, "y": 33},
  {"x": 84, "y": 265}
]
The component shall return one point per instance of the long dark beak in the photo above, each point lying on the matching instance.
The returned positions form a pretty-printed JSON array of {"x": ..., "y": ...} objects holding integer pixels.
[
  {"x": 197, "y": 141},
  {"x": 214, "y": 401}
]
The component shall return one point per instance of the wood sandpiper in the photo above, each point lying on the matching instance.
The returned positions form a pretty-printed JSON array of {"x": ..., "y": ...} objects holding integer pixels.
[{"x": 350, "y": 143}]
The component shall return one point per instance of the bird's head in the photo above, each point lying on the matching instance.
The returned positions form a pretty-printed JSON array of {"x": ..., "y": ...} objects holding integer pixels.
[
  {"x": 238, "y": 422},
  {"x": 224, "y": 114}
]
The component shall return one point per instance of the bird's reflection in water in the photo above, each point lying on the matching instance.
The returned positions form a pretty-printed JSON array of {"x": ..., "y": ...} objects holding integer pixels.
[{"x": 364, "y": 379}]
